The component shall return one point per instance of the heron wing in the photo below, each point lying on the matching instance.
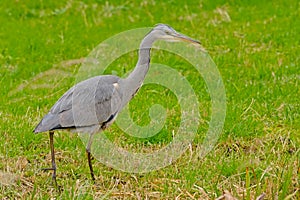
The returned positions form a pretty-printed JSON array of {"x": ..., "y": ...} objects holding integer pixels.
[{"x": 89, "y": 103}]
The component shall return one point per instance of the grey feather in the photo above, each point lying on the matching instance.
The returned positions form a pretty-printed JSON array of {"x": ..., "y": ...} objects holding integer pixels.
[{"x": 89, "y": 103}]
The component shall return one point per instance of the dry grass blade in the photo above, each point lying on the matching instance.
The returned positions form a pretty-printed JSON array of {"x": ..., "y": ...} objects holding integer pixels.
[
  {"x": 261, "y": 197},
  {"x": 226, "y": 196}
]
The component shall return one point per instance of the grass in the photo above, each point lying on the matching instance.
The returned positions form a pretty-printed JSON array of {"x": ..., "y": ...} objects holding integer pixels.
[{"x": 256, "y": 46}]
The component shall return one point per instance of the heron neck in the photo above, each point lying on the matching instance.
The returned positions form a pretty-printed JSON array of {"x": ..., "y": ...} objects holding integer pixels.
[
  {"x": 137, "y": 76},
  {"x": 135, "y": 79}
]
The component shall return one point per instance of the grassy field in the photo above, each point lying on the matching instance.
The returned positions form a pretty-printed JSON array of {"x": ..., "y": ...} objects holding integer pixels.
[{"x": 256, "y": 46}]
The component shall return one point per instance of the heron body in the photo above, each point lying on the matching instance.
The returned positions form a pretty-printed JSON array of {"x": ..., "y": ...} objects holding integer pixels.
[
  {"x": 75, "y": 109},
  {"x": 92, "y": 105}
]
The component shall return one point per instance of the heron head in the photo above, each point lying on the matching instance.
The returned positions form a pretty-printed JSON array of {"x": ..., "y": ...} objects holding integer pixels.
[{"x": 165, "y": 32}]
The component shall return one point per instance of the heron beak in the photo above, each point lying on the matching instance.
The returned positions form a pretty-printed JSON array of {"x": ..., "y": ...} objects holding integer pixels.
[{"x": 184, "y": 38}]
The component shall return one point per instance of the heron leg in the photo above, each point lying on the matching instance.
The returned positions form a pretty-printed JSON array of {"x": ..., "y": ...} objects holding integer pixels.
[
  {"x": 88, "y": 152},
  {"x": 51, "y": 133}
]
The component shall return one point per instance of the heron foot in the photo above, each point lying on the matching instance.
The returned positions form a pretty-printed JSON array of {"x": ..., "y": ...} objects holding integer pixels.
[{"x": 53, "y": 174}]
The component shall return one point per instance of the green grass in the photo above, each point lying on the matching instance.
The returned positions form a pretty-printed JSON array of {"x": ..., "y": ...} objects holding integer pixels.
[{"x": 256, "y": 46}]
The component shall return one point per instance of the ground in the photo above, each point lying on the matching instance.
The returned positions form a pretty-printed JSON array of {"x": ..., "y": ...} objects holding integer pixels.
[{"x": 254, "y": 44}]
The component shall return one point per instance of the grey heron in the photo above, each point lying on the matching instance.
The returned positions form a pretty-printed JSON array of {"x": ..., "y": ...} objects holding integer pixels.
[{"x": 106, "y": 95}]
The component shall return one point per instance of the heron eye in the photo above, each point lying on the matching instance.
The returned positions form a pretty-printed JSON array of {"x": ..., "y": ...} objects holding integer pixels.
[{"x": 168, "y": 32}]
